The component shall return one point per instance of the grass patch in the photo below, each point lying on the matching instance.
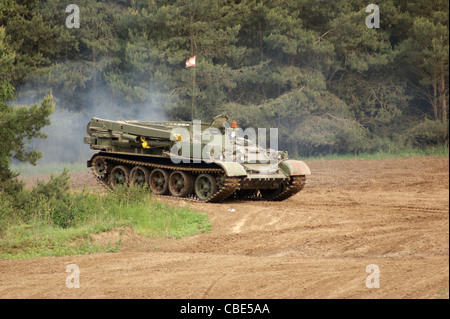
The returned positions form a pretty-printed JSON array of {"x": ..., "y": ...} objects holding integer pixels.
[
  {"x": 439, "y": 151},
  {"x": 151, "y": 217},
  {"x": 40, "y": 240},
  {"x": 49, "y": 220}
]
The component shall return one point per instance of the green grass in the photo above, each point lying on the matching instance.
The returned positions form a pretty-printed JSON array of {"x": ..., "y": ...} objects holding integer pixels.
[
  {"x": 52, "y": 221},
  {"x": 151, "y": 217},
  {"x": 38, "y": 239},
  {"x": 440, "y": 151}
]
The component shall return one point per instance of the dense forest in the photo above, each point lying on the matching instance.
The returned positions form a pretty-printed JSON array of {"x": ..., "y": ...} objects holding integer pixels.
[{"x": 313, "y": 69}]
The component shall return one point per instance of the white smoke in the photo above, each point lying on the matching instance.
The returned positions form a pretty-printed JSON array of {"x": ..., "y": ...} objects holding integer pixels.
[{"x": 64, "y": 142}]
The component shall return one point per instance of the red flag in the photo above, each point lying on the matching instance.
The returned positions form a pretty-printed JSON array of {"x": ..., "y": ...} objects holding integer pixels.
[{"x": 190, "y": 62}]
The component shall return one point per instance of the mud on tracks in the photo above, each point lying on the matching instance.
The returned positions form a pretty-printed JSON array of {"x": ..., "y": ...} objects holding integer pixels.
[{"x": 392, "y": 212}]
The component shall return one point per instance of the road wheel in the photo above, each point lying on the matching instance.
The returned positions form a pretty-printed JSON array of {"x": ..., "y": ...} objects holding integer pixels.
[
  {"x": 159, "y": 181},
  {"x": 180, "y": 184},
  {"x": 205, "y": 186},
  {"x": 139, "y": 176},
  {"x": 119, "y": 176}
]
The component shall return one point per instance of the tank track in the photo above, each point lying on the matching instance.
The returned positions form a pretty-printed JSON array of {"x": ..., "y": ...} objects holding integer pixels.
[
  {"x": 294, "y": 186},
  {"x": 230, "y": 185},
  {"x": 100, "y": 181}
]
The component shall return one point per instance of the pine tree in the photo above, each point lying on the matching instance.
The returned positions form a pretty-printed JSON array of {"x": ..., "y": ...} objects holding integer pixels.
[
  {"x": 426, "y": 53},
  {"x": 17, "y": 124}
]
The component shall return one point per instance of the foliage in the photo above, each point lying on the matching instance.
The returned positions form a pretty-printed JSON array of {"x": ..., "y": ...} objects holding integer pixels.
[
  {"x": 17, "y": 123},
  {"x": 50, "y": 220},
  {"x": 291, "y": 64},
  {"x": 310, "y": 68},
  {"x": 428, "y": 132}
]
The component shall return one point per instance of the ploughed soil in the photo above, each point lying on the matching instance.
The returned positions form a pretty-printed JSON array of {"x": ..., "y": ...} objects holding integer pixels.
[{"x": 356, "y": 222}]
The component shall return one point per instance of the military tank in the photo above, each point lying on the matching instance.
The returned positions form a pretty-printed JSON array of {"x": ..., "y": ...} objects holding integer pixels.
[{"x": 206, "y": 162}]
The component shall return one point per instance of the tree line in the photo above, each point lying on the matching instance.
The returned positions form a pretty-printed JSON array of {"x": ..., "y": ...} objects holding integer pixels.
[{"x": 311, "y": 68}]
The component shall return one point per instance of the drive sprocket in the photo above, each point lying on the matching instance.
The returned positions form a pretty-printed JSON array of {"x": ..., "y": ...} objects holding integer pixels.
[{"x": 99, "y": 167}]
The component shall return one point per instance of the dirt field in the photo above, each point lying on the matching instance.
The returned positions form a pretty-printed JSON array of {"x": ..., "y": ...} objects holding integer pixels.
[{"x": 391, "y": 213}]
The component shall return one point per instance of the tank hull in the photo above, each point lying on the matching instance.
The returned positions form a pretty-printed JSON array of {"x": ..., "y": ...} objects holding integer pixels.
[
  {"x": 190, "y": 160},
  {"x": 230, "y": 180}
]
